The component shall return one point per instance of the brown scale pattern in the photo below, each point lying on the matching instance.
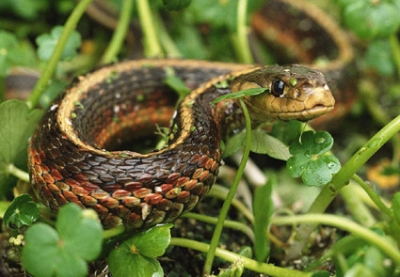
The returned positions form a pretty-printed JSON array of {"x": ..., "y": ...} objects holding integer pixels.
[
  {"x": 74, "y": 153},
  {"x": 136, "y": 191}
]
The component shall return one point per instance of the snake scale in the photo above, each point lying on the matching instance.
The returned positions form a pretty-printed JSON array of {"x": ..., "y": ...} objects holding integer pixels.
[{"x": 77, "y": 151}]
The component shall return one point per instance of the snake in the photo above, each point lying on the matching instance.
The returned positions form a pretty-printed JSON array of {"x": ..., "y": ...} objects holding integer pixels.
[{"x": 81, "y": 151}]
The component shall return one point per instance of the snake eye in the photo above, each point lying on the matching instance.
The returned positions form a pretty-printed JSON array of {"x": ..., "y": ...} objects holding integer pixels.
[{"x": 278, "y": 88}]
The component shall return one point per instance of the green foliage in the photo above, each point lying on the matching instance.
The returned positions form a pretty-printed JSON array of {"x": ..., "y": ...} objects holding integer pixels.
[
  {"x": 176, "y": 84},
  {"x": 379, "y": 57},
  {"x": 197, "y": 32},
  {"x": 262, "y": 209},
  {"x": 361, "y": 259},
  {"x": 396, "y": 207},
  {"x": 13, "y": 141},
  {"x": 365, "y": 18},
  {"x": 64, "y": 251},
  {"x": 175, "y": 5},
  {"x": 261, "y": 143},
  {"x": 12, "y": 53},
  {"x": 239, "y": 94},
  {"x": 24, "y": 8},
  {"x": 21, "y": 212},
  {"x": 47, "y": 43},
  {"x": 309, "y": 161},
  {"x": 136, "y": 256}
]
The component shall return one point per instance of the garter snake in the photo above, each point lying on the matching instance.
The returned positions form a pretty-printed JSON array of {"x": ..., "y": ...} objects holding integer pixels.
[
  {"x": 76, "y": 153},
  {"x": 71, "y": 152}
]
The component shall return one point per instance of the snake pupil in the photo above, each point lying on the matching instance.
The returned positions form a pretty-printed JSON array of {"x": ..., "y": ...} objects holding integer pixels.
[{"x": 278, "y": 88}]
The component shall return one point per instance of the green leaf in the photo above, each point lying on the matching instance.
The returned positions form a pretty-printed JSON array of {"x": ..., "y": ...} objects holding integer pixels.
[
  {"x": 379, "y": 57},
  {"x": 396, "y": 207},
  {"x": 84, "y": 236},
  {"x": 175, "y": 5},
  {"x": 136, "y": 256},
  {"x": 17, "y": 123},
  {"x": 262, "y": 143},
  {"x": 234, "y": 143},
  {"x": 287, "y": 132},
  {"x": 22, "y": 211},
  {"x": 215, "y": 13},
  {"x": 234, "y": 270},
  {"x": 176, "y": 83},
  {"x": 8, "y": 52},
  {"x": 79, "y": 239},
  {"x": 240, "y": 93},
  {"x": 138, "y": 266},
  {"x": 262, "y": 209},
  {"x": 152, "y": 242},
  {"x": 46, "y": 44},
  {"x": 24, "y": 8},
  {"x": 309, "y": 161},
  {"x": 369, "y": 20}
]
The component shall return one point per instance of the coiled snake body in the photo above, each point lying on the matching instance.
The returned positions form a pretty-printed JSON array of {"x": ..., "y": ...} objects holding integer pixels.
[
  {"x": 71, "y": 157},
  {"x": 75, "y": 153}
]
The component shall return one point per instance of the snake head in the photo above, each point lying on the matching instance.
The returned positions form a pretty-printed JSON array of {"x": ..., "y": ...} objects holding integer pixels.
[{"x": 292, "y": 93}]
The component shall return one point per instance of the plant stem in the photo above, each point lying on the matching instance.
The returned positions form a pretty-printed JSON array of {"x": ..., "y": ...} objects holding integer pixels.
[
  {"x": 250, "y": 264},
  {"x": 243, "y": 47},
  {"x": 374, "y": 197},
  {"x": 227, "y": 223},
  {"x": 113, "y": 232},
  {"x": 167, "y": 43},
  {"x": 20, "y": 174},
  {"x": 51, "y": 65},
  {"x": 395, "y": 45},
  {"x": 231, "y": 194},
  {"x": 152, "y": 47},
  {"x": 345, "y": 224},
  {"x": 118, "y": 37},
  {"x": 356, "y": 206},
  {"x": 221, "y": 192},
  {"x": 2, "y": 88},
  {"x": 329, "y": 192}
]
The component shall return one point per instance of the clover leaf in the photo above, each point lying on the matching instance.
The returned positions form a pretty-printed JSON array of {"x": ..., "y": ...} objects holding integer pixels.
[
  {"x": 47, "y": 43},
  {"x": 309, "y": 161},
  {"x": 64, "y": 251},
  {"x": 136, "y": 256},
  {"x": 22, "y": 211}
]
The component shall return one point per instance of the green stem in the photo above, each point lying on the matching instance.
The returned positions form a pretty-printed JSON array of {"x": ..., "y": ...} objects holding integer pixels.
[
  {"x": 51, "y": 65},
  {"x": 241, "y": 32},
  {"x": 221, "y": 192},
  {"x": 374, "y": 197},
  {"x": 356, "y": 207},
  {"x": 152, "y": 47},
  {"x": 395, "y": 45},
  {"x": 20, "y": 174},
  {"x": 380, "y": 242},
  {"x": 166, "y": 41},
  {"x": 227, "y": 223},
  {"x": 119, "y": 35},
  {"x": 250, "y": 264},
  {"x": 329, "y": 192},
  {"x": 231, "y": 194},
  {"x": 2, "y": 88},
  {"x": 110, "y": 233}
]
